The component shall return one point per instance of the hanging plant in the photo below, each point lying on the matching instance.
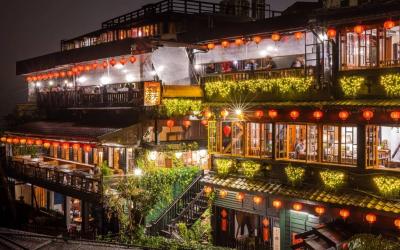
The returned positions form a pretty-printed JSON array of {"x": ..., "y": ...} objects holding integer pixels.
[
  {"x": 180, "y": 107},
  {"x": 224, "y": 166},
  {"x": 391, "y": 84},
  {"x": 333, "y": 180},
  {"x": 351, "y": 85},
  {"x": 388, "y": 186},
  {"x": 295, "y": 175},
  {"x": 250, "y": 168},
  {"x": 282, "y": 85}
]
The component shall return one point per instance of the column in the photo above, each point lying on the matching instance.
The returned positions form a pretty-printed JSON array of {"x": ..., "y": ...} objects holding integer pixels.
[
  {"x": 85, "y": 216},
  {"x": 361, "y": 164}
]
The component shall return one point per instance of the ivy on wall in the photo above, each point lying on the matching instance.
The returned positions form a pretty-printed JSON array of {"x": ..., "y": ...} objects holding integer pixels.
[
  {"x": 295, "y": 175},
  {"x": 224, "y": 166},
  {"x": 282, "y": 85},
  {"x": 180, "y": 106},
  {"x": 332, "y": 179},
  {"x": 250, "y": 168},
  {"x": 391, "y": 84},
  {"x": 351, "y": 85},
  {"x": 388, "y": 186}
]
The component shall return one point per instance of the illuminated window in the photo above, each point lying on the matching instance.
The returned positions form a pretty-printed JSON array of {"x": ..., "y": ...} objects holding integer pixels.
[
  {"x": 232, "y": 138},
  {"x": 330, "y": 144},
  {"x": 259, "y": 139},
  {"x": 349, "y": 145},
  {"x": 212, "y": 136}
]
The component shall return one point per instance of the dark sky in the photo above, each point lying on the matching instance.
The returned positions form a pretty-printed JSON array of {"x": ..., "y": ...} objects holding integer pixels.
[{"x": 30, "y": 28}]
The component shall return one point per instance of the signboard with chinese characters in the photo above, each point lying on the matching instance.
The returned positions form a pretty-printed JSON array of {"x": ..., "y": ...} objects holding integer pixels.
[
  {"x": 276, "y": 233},
  {"x": 152, "y": 93}
]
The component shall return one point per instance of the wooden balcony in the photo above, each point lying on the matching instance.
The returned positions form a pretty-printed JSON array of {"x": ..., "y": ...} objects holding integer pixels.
[
  {"x": 76, "y": 99},
  {"x": 49, "y": 175}
]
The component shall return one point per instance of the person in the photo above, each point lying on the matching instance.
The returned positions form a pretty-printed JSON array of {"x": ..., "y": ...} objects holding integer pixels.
[
  {"x": 299, "y": 148},
  {"x": 298, "y": 62},
  {"x": 270, "y": 64},
  {"x": 210, "y": 69},
  {"x": 251, "y": 65}
]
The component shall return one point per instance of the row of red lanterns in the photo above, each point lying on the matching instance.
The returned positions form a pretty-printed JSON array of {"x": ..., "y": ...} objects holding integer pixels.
[
  {"x": 45, "y": 144},
  {"x": 185, "y": 123},
  {"x": 256, "y": 39},
  {"x": 359, "y": 29},
  {"x": 76, "y": 70},
  {"x": 320, "y": 210}
]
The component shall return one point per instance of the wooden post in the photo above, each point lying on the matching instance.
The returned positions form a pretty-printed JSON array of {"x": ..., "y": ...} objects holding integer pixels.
[
  {"x": 361, "y": 164},
  {"x": 85, "y": 216}
]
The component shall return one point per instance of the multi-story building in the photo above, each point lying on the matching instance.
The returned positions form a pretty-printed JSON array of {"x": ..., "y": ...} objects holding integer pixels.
[{"x": 301, "y": 108}]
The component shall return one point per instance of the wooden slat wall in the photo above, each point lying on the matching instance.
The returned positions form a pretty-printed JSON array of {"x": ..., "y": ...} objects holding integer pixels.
[{"x": 248, "y": 205}]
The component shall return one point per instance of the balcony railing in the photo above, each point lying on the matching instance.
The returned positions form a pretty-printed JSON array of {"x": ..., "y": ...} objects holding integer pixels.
[
  {"x": 69, "y": 99},
  {"x": 258, "y": 74}
]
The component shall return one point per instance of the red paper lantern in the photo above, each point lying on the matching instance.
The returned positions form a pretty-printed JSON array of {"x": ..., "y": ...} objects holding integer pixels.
[
  {"x": 225, "y": 44},
  {"x": 29, "y": 79},
  {"x": 257, "y": 39},
  {"x": 359, "y": 29},
  {"x": 75, "y": 70},
  {"x": 132, "y": 59},
  {"x": 76, "y": 146},
  {"x": 223, "y": 193},
  {"x": 343, "y": 115},
  {"x": 224, "y": 113},
  {"x": 9, "y": 140},
  {"x": 65, "y": 145},
  {"x": 388, "y": 24},
  {"x": 320, "y": 210},
  {"x": 294, "y": 114},
  {"x": 297, "y": 206},
  {"x": 87, "y": 148},
  {"x": 224, "y": 221},
  {"x": 272, "y": 113},
  {"x": 105, "y": 64},
  {"x": 56, "y": 144},
  {"x": 56, "y": 74},
  {"x": 277, "y": 204},
  {"x": 39, "y": 142},
  {"x": 331, "y": 33},
  {"x": 186, "y": 123},
  {"x": 368, "y": 114},
  {"x": 204, "y": 122},
  {"x": 210, "y": 46},
  {"x": 276, "y": 37},
  {"x": 239, "y": 42},
  {"x": 370, "y": 218},
  {"x": 34, "y": 78},
  {"x": 170, "y": 123},
  {"x": 227, "y": 131},
  {"x": 122, "y": 61},
  {"x": 15, "y": 140},
  {"x": 318, "y": 114},
  {"x": 395, "y": 115},
  {"x": 3, "y": 139},
  {"x": 81, "y": 68},
  {"x": 70, "y": 73},
  {"x": 240, "y": 196},
  {"x": 344, "y": 213},
  {"x": 63, "y": 74},
  {"x": 22, "y": 141},
  {"x": 257, "y": 200},
  {"x": 94, "y": 66},
  {"x": 298, "y": 35},
  {"x": 397, "y": 223},
  {"x": 113, "y": 62},
  {"x": 29, "y": 142},
  {"x": 88, "y": 67},
  {"x": 46, "y": 145},
  {"x": 259, "y": 114}
]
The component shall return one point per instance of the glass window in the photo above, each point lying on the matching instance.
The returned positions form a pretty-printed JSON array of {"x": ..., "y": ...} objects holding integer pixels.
[
  {"x": 330, "y": 143},
  {"x": 349, "y": 145},
  {"x": 232, "y": 137},
  {"x": 259, "y": 139},
  {"x": 212, "y": 136}
]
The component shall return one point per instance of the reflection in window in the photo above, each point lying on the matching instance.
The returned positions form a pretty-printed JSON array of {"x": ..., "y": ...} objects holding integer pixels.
[
  {"x": 259, "y": 139},
  {"x": 233, "y": 137}
]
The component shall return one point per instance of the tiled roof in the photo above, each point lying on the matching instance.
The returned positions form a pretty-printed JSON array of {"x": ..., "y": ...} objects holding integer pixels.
[{"x": 313, "y": 194}]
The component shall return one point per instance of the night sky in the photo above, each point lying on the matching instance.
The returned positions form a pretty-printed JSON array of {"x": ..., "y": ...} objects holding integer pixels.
[{"x": 31, "y": 28}]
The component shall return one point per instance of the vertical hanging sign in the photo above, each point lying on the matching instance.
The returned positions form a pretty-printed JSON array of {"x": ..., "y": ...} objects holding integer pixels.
[
  {"x": 276, "y": 232},
  {"x": 152, "y": 93}
]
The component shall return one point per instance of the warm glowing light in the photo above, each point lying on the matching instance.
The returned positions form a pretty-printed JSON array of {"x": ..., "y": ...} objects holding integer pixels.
[
  {"x": 207, "y": 189},
  {"x": 294, "y": 114},
  {"x": 105, "y": 65},
  {"x": 272, "y": 113},
  {"x": 87, "y": 148},
  {"x": 238, "y": 112},
  {"x": 56, "y": 144},
  {"x": 368, "y": 114},
  {"x": 46, "y": 145},
  {"x": 152, "y": 155},
  {"x": 277, "y": 204},
  {"x": 3, "y": 139},
  {"x": 370, "y": 218},
  {"x": 38, "y": 142},
  {"x": 138, "y": 172},
  {"x": 170, "y": 123},
  {"x": 298, "y": 35},
  {"x": 122, "y": 61},
  {"x": 397, "y": 223},
  {"x": 240, "y": 196},
  {"x": 225, "y": 44},
  {"x": 331, "y": 33},
  {"x": 76, "y": 146},
  {"x": 239, "y": 42},
  {"x": 318, "y": 114},
  {"x": 224, "y": 113},
  {"x": 344, "y": 213},
  {"x": 186, "y": 123},
  {"x": 207, "y": 114},
  {"x": 320, "y": 210},
  {"x": 297, "y": 206},
  {"x": 257, "y": 200},
  {"x": 132, "y": 59},
  {"x": 223, "y": 193},
  {"x": 65, "y": 146},
  {"x": 204, "y": 122},
  {"x": 388, "y": 24},
  {"x": 113, "y": 62},
  {"x": 211, "y": 46},
  {"x": 29, "y": 142},
  {"x": 359, "y": 29},
  {"x": 257, "y": 39},
  {"x": 259, "y": 114},
  {"x": 227, "y": 130},
  {"x": 15, "y": 140},
  {"x": 343, "y": 115},
  {"x": 276, "y": 37},
  {"x": 395, "y": 115},
  {"x": 22, "y": 141},
  {"x": 9, "y": 140}
]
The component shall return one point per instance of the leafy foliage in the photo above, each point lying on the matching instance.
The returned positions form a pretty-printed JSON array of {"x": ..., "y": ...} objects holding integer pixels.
[
  {"x": 333, "y": 180},
  {"x": 105, "y": 170},
  {"x": 391, "y": 83},
  {"x": 372, "y": 242},
  {"x": 281, "y": 85},
  {"x": 224, "y": 166},
  {"x": 250, "y": 168},
  {"x": 26, "y": 150},
  {"x": 388, "y": 186},
  {"x": 295, "y": 175},
  {"x": 351, "y": 85},
  {"x": 180, "y": 106}
]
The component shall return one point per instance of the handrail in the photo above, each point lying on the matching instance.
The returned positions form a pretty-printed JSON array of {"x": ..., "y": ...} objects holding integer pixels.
[{"x": 160, "y": 223}]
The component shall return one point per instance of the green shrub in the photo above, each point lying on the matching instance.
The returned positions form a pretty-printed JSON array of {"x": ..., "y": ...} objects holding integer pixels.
[
  {"x": 332, "y": 179},
  {"x": 388, "y": 186},
  {"x": 372, "y": 242},
  {"x": 250, "y": 168},
  {"x": 295, "y": 175},
  {"x": 224, "y": 166}
]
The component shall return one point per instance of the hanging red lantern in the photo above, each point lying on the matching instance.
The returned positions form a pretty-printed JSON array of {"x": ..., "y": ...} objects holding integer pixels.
[
  {"x": 224, "y": 113},
  {"x": 122, "y": 61},
  {"x": 3, "y": 139},
  {"x": 132, "y": 59},
  {"x": 113, "y": 62},
  {"x": 46, "y": 145},
  {"x": 277, "y": 204},
  {"x": 70, "y": 73},
  {"x": 210, "y": 46},
  {"x": 29, "y": 79},
  {"x": 56, "y": 75},
  {"x": 294, "y": 114},
  {"x": 257, "y": 39},
  {"x": 359, "y": 29},
  {"x": 368, "y": 114},
  {"x": 22, "y": 141},
  {"x": 388, "y": 24},
  {"x": 75, "y": 70},
  {"x": 259, "y": 114},
  {"x": 397, "y": 223},
  {"x": 344, "y": 213},
  {"x": 207, "y": 114},
  {"x": 39, "y": 142},
  {"x": 170, "y": 123},
  {"x": 298, "y": 35},
  {"x": 186, "y": 123},
  {"x": 239, "y": 42},
  {"x": 266, "y": 233},
  {"x": 343, "y": 115},
  {"x": 227, "y": 130},
  {"x": 9, "y": 140},
  {"x": 44, "y": 76},
  {"x": 224, "y": 221},
  {"x": 276, "y": 37},
  {"x": 88, "y": 67},
  {"x": 87, "y": 148},
  {"x": 29, "y": 142},
  {"x": 395, "y": 115},
  {"x": 297, "y": 206},
  {"x": 331, "y": 33},
  {"x": 34, "y": 78},
  {"x": 76, "y": 146},
  {"x": 94, "y": 65},
  {"x": 240, "y": 196},
  {"x": 56, "y": 144},
  {"x": 272, "y": 113},
  {"x": 105, "y": 65},
  {"x": 204, "y": 122},
  {"x": 257, "y": 200},
  {"x": 63, "y": 74},
  {"x": 223, "y": 193},
  {"x": 81, "y": 68},
  {"x": 320, "y": 210},
  {"x": 65, "y": 145},
  {"x": 225, "y": 44},
  {"x": 15, "y": 140},
  {"x": 370, "y": 218},
  {"x": 318, "y": 114}
]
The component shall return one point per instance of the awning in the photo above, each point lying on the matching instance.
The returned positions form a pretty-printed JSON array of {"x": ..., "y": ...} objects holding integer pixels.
[{"x": 356, "y": 199}]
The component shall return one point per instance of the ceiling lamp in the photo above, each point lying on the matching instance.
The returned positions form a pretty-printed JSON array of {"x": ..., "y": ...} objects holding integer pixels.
[
  {"x": 225, "y": 44},
  {"x": 343, "y": 115},
  {"x": 388, "y": 24},
  {"x": 298, "y": 35},
  {"x": 368, "y": 114},
  {"x": 359, "y": 29},
  {"x": 210, "y": 46},
  {"x": 276, "y": 37},
  {"x": 294, "y": 114},
  {"x": 318, "y": 114},
  {"x": 257, "y": 39},
  {"x": 331, "y": 33}
]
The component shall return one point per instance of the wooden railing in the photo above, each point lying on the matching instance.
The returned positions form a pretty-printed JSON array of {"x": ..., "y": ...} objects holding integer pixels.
[
  {"x": 258, "y": 74},
  {"x": 69, "y": 99},
  {"x": 173, "y": 211},
  {"x": 71, "y": 180}
]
